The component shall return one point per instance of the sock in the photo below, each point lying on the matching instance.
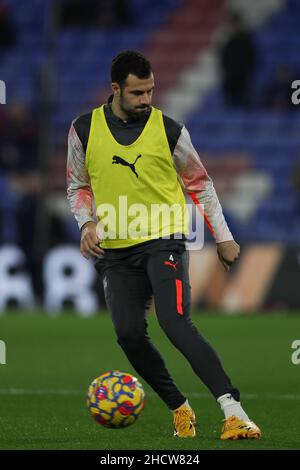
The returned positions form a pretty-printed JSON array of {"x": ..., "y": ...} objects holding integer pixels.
[{"x": 231, "y": 407}]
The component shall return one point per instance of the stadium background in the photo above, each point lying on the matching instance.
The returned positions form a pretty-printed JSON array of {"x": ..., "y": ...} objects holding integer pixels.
[{"x": 55, "y": 59}]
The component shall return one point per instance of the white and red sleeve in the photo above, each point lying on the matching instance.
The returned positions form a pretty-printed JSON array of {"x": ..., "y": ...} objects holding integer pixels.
[
  {"x": 79, "y": 191},
  {"x": 199, "y": 186}
]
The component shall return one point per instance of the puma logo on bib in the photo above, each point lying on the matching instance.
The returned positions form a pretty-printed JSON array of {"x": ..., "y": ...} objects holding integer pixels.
[{"x": 120, "y": 161}]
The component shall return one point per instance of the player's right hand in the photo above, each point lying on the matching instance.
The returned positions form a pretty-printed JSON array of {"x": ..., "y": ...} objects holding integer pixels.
[{"x": 89, "y": 243}]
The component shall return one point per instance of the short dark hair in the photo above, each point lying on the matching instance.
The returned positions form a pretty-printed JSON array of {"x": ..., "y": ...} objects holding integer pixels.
[{"x": 129, "y": 62}]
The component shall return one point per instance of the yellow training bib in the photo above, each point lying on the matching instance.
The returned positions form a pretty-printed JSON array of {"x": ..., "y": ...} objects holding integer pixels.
[{"x": 137, "y": 194}]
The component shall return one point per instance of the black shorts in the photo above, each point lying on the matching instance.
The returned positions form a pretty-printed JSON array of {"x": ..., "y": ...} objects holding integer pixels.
[{"x": 133, "y": 275}]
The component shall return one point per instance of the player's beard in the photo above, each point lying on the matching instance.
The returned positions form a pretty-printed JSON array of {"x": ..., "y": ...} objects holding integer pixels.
[{"x": 135, "y": 113}]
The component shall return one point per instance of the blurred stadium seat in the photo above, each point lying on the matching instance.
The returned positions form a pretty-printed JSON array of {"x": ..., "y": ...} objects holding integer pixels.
[{"x": 173, "y": 33}]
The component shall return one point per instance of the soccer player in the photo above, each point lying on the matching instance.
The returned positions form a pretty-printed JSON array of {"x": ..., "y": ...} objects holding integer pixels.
[{"x": 127, "y": 151}]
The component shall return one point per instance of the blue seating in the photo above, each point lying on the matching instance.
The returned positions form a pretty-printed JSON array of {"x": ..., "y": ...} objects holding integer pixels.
[{"x": 270, "y": 140}]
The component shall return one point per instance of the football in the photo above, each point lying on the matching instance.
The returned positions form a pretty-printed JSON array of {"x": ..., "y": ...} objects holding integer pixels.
[{"x": 115, "y": 399}]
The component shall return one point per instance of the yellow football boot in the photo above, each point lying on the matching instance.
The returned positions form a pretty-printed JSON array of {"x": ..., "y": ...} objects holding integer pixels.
[
  {"x": 235, "y": 428},
  {"x": 184, "y": 421}
]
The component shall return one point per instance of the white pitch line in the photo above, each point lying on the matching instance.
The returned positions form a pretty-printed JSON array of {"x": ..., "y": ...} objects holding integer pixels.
[
  {"x": 22, "y": 391},
  {"x": 66, "y": 392},
  {"x": 251, "y": 396}
]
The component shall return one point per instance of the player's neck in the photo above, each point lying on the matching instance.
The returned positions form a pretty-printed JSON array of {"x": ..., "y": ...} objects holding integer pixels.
[{"x": 116, "y": 109}]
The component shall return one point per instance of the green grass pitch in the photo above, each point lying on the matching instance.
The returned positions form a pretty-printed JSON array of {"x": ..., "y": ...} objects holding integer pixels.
[{"x": 51, "y": 361}]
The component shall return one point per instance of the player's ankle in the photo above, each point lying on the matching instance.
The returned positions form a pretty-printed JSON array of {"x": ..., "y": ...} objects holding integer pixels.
[{"x": 232, "y": 407}]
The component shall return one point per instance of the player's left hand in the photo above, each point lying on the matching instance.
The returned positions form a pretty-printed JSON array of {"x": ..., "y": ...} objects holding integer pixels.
[{"x": 228, "y": 253}]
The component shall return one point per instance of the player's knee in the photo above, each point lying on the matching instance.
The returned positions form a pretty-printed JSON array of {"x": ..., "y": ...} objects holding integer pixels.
[
  {"x": 180, "y": 331},
  {"x": 130, "y": 339},
  {"x": 172, "y": 332}
]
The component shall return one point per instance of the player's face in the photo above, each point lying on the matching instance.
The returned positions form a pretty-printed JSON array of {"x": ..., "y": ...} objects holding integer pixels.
[{"x": 136, "y": 96}]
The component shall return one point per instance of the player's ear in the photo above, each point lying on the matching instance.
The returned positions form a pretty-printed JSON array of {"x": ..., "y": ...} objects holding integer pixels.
[{"x": 116, "y": 88}]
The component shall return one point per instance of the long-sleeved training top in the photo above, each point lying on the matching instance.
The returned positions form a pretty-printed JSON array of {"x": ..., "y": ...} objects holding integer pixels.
[{"x": 191, "y": 173}]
